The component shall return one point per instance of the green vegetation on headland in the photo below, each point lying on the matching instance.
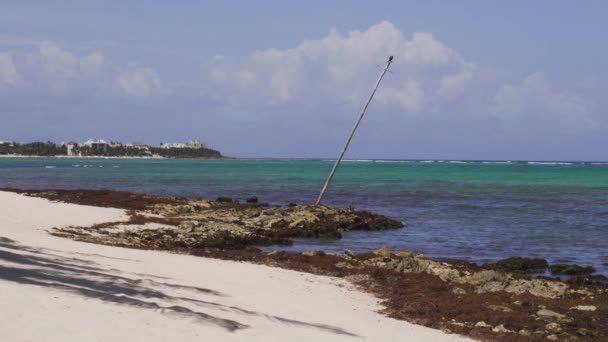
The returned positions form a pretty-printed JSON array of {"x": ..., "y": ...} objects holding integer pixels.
[
  {"x": 47, "y": 149},
  {"x": 50, "y": 149},
  {"x": 186, "y": 152}
]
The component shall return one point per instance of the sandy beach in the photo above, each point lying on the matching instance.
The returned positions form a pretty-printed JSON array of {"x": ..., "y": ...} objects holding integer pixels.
[{"x": 55, "y": 289}]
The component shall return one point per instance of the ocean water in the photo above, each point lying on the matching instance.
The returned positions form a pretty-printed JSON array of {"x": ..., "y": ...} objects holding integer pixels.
[{"x": 473, "y": 210}]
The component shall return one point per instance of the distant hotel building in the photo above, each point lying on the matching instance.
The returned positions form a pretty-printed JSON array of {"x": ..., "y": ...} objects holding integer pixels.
[
  {"x": 139, "y": 145},
  {"x": 98, "y": 145},
  {"x": 191, "y": 144}
]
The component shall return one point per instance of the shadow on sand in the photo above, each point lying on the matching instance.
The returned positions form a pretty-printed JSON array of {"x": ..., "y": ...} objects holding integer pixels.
[{"x": 26, "y": 265}]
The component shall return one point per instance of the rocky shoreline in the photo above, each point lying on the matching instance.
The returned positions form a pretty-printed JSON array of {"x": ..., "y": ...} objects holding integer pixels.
[{"x": 498, "y": 301}]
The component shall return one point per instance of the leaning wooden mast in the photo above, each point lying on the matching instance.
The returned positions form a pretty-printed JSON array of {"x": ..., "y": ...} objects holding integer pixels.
[{"x": 352, "y": 132}]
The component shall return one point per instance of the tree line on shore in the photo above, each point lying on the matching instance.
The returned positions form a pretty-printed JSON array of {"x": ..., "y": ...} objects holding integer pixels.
[
  {"x": 50, "y": 149},
  {"x": 33, "y": 149}
]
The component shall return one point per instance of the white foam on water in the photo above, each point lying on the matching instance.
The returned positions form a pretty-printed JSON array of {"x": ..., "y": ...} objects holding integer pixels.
[
  {"x": 50, "y": 167},
  {"x": 393, "y": 161},
  {"x": 548, "y": 163}
]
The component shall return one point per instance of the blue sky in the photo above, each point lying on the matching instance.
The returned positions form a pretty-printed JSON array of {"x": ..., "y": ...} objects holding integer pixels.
[{"x": 472, "y": 79}]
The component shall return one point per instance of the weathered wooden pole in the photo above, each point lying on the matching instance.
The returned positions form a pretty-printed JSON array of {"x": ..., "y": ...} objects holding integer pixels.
[{"x": 352, "y": 132}]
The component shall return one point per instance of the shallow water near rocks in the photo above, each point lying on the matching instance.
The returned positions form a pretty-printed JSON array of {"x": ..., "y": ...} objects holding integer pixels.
[{"x": 476, "y": 211}]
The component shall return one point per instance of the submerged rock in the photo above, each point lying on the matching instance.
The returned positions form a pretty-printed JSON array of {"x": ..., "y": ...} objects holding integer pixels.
[
  {"x": 571, "y": 269},
  {"x": 519, "y": 265},
  {"x": 223, "y": 199}
]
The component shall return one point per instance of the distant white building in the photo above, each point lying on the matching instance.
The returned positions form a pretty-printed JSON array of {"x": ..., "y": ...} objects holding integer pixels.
[
  {"x": 173, "y": 145},
  {"x": 192, "y": 144},
  {"x": 98, "y": 145},
  {"x": 139, "y": 145},
  {"x": 197, "y": 144},
  {"x": 70, "y": 147}
]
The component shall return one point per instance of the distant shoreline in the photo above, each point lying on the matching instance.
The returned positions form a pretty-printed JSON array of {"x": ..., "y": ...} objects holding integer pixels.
[
  {"x": 107, "y": 157},
  {"x": 465, "y": 161}
]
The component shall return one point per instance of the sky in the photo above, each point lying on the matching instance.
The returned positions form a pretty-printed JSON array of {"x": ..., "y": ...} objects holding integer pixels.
[{"x": 511, "y": 80}]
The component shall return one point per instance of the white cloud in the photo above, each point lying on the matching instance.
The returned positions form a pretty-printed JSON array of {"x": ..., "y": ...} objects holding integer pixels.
[
  {"x": 409, "y": 96},
  {"x": 428, "y": 77},
  {"x": 453, "y": 84},
  {"x": 335, "y": 71},
  {"x": 8, "y": 72},
  {"x": 138, "y": 82},
  {"x": 338, "y": 69},
  {"x": 535, "y": 95},
  {"x": 62, "y": 70},
  {"x": 57, "y": 71}
]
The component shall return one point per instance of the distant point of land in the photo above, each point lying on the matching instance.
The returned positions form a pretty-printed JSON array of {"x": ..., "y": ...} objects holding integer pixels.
[{"x": 100, "y": 148}]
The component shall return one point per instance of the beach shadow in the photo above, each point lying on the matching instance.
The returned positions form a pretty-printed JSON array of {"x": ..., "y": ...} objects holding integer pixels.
[{"x": 31, "y": 266}]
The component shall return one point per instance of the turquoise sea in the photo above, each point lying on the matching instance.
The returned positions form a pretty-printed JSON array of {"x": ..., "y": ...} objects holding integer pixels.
[{"x": 474, "y": 210}]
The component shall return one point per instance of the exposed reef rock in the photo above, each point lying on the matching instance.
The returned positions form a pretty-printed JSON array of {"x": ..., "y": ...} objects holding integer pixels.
[
  {"x": 226, "y": 224},
  {"x": 483, "y": 281}
]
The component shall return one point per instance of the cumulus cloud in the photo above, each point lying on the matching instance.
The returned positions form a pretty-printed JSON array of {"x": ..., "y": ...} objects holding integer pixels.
[
  {"x": 535, "y": 94},
  {"x": 428, "y": 78},
  {"x": 8, "y": 72},
  {"x": 138, "y": 82},
  {"x": 336, "y": 71},
  {"x": 54, "y": 70},
  {"x": 409, "y": 96},
  {"x": 338, "y": 68},
  {"x": 62, "y": 70}
]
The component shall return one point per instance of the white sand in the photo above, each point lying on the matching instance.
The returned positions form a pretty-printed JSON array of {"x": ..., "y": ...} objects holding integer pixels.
[{"x": 55, "y": 289}]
